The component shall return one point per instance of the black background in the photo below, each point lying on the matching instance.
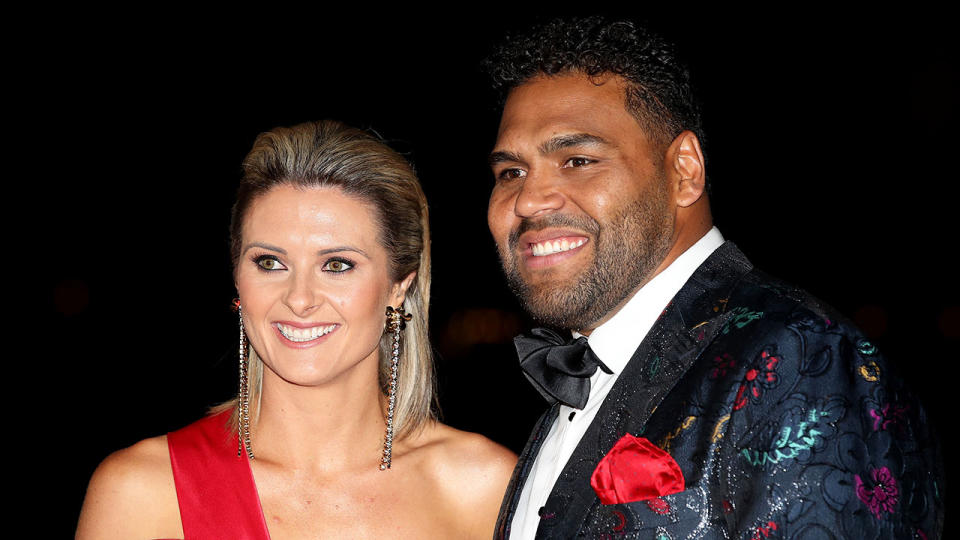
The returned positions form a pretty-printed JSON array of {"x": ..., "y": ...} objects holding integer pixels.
[{"x": 830, "y": 145}]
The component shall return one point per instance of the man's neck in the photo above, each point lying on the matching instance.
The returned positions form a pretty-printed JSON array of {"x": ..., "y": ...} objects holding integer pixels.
[{"x": 686, "y": 239}]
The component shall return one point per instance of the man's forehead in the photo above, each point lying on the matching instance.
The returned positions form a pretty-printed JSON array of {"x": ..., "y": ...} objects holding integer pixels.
[
  {"x": 560, "y": 95},
  {"x": 570, "y": 106}
]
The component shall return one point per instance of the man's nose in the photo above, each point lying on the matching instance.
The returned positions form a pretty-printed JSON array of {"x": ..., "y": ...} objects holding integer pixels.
[{"x": 539, "y": 194}]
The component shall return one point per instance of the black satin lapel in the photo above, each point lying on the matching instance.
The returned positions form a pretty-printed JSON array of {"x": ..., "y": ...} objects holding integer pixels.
[
  {"x": 684, "y": 330},
  {"x": 658, "y": 364},
  {"x": 509, "y": 505}
]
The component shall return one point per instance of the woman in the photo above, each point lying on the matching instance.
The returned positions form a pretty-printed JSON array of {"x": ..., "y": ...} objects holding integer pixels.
[{"x": 330, "y": 248}]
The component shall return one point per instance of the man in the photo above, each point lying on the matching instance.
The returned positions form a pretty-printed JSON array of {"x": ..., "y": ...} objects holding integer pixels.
[{"x": 700, "y": 398}]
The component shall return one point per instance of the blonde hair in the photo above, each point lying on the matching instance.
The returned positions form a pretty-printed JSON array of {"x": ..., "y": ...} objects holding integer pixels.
[{"x": 331, "y": 154}]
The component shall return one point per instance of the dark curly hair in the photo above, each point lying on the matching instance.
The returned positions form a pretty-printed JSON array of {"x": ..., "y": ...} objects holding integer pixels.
[{"x": 660, "y": 95}]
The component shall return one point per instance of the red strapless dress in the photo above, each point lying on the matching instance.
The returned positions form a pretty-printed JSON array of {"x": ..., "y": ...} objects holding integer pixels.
[{"x": 215, "y": 488}]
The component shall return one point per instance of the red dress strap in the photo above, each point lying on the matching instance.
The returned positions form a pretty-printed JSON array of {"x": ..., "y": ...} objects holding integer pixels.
[{"x": 215, "y": 488}]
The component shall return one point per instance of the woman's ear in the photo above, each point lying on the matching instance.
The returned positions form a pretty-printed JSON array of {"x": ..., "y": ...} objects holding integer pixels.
[{"x": 400, "y": 289}]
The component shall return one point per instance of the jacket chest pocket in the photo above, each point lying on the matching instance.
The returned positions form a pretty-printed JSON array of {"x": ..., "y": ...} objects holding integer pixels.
[{"x": 682, "y": 515}]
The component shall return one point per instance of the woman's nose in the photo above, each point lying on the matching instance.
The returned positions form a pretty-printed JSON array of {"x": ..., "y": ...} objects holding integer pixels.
[{"x": 301, "y": 296}]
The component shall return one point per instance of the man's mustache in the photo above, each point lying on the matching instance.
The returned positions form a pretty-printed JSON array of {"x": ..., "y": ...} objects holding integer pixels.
[{"x": 582, "y": 223}]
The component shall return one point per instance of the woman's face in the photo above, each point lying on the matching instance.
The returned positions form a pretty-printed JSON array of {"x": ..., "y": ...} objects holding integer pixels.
[{"x": 314, "y": 283}]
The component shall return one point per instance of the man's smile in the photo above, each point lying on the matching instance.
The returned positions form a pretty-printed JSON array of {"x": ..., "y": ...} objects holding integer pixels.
[
  {"x": 544, "y": 248},
  {"x": 547, "y": 247}
]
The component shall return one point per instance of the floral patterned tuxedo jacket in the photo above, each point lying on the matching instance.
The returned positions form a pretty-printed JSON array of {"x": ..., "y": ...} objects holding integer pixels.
[{"x": 783, "y": 418}]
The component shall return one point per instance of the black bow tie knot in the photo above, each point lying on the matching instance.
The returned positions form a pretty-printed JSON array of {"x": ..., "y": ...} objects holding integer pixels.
[{"x": 559, "y": 369}]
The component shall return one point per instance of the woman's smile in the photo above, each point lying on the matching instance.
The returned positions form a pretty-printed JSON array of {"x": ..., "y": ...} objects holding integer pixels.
[{"x": 300, "y": 336}]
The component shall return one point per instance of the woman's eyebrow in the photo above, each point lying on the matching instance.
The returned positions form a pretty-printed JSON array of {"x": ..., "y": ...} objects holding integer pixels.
[
  {"x": 264, "y": 246},
  {"x": 342, "y": 248},
  {"x": 325, "y": 251}
]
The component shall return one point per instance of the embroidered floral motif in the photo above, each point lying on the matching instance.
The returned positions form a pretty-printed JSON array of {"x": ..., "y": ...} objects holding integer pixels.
[
  {"x": 727, "y": 507},
  {"x": 721, "y": 365},
  {"x": 654, "y": 366},
  {"x": 888, "y": 416},
  {"x": 667, "y": 443},
  {"x": 659, "y": 506},
  {"x": 870, "y": 372},
  {"x": 764, "y": 530},
  {"x": 741, "y": 317},
  {"x": 791, "y": 442},
  {"x": 817, "y": 363},
  {"x": 802, "y": 431},
  {"x": 761, "y": 375},
  {"x": 866, "y": 348},
  {"x": 621, "y": 521},
  {"x": 883, "y": 496},
  {"x": 718, "y": 429}
]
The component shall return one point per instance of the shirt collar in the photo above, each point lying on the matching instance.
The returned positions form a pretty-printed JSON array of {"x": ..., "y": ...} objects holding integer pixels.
[{"x": 615, "y": 341}]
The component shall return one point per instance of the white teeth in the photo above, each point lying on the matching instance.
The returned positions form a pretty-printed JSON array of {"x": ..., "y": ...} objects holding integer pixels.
[
  {"x": 304, "y": 334},
  {"x": 557, "y": 246}
]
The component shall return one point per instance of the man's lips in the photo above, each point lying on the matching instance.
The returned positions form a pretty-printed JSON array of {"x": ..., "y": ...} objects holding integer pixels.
[
  {"x": 546, "y": 247},
  {"x": 559, "y": 245}
]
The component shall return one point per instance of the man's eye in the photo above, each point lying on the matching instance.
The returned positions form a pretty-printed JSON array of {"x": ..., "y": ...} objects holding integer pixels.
[
  {"x": 338, "y": 265},
  {"x": 268, "y": 262},
  {"x": 511, "y": 174},
  {"x": 577, "y": 162}
]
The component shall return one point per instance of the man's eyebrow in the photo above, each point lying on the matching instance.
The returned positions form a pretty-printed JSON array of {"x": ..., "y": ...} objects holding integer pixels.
[
  {"x": 550, "y": 146},
  {"x": 502, "y": 156},
  {"x": 573, "y": 139}
]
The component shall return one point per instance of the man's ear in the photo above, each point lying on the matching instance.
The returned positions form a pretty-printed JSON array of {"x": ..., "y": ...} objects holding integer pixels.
[
  {"x": 686, "y": 168},
  {"x": 400, "y": 289}
]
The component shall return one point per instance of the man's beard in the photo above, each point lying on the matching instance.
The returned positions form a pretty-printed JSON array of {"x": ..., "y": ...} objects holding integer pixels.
[{"x": 627, "y": 251}]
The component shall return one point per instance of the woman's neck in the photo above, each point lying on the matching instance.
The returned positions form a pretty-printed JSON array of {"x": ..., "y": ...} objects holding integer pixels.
[{"x": 331, "y": 427}]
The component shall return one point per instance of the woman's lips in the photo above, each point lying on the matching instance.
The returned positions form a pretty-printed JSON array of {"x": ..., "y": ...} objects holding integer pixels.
[{"x": 300, "y": 336}]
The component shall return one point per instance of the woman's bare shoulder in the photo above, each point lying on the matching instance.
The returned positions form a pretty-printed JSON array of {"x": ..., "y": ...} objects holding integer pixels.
[
  {"x": 470, "y": 470},
  {"x": 132, "y": 494},
  {"x": 467, "y": 454}
]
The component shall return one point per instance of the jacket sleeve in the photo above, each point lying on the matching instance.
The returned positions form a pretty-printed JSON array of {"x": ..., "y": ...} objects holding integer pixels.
[{"x": 824, "y": 442}]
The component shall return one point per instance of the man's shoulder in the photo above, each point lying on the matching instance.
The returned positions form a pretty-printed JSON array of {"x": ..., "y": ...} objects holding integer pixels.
[
  {"x": 727, "y": 283},
  {"x": 804, "y": 398},
  {"x": 776, "y": 305},
  {"x": 772, "y": 325}
]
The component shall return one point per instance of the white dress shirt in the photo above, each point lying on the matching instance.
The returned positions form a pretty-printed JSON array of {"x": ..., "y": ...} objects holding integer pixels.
[{"x": 614, "y": 342}]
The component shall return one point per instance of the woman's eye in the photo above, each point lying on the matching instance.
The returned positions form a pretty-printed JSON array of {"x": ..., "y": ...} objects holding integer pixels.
[
  {"x": 337, "y": 265},
  {"x": 268, "y": 262}
]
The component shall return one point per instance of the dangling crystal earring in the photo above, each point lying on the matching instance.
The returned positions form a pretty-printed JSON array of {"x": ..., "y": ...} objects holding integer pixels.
[
  {"x": 243, "y": 407},
  {"x": 396, "y": 321}
]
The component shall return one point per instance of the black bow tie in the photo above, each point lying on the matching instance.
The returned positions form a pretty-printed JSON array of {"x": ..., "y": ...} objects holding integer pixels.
[{"x": 559, "y": 369}]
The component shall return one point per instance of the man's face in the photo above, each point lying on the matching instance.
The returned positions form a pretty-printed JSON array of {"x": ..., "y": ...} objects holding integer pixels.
[{"x": 581, "y": 210}]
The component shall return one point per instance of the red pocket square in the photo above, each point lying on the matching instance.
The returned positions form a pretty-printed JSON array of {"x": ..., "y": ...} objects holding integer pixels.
[{"x": 635, "y": 470}]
